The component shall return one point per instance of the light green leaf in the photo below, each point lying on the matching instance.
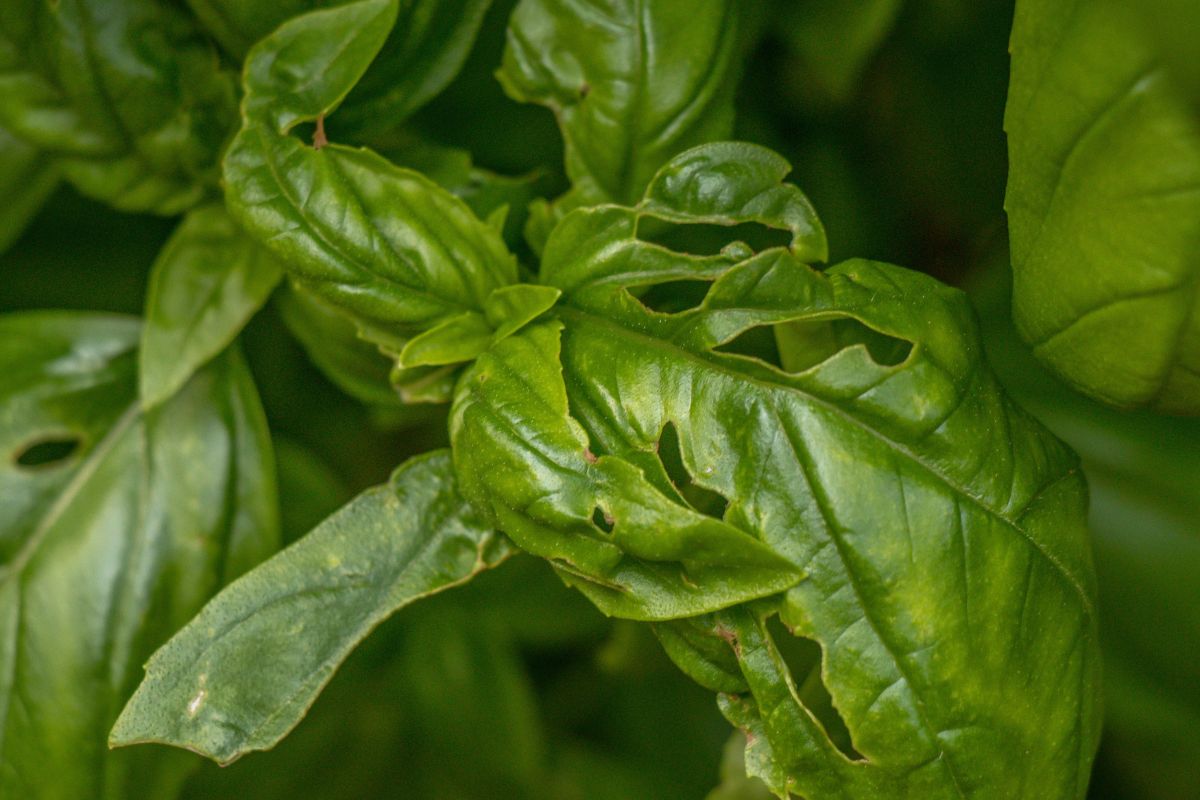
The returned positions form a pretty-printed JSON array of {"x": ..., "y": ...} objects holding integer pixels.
[
  {"x": 116, "y": 527},
  {"x": 383, "y": 243},
  {"x": 631, "y": 82},
  {"x": 125, "y": 94},
  {"x": 26, "y": 179},
  {"x": 1104, "y": 203},
  {"x": 246, "y": 669},
  {"x": 939, "y": 530},
  {"x": 208, "y": 281}
]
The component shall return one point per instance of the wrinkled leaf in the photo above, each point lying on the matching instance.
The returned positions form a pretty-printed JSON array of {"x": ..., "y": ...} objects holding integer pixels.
[
  {"x": 632, "y": 83},
  {"x": 385, "y": 244},
  {"x": 243, "y": 673},
  {"x": 111, "y": 540},
  {"x": 207, "y": 282},
  {"x": 124, "y": 93},
  {"x": 939, "y": 530},
  {"x": 1104, "y": 203},
  {"x": 26, "y": 179}
]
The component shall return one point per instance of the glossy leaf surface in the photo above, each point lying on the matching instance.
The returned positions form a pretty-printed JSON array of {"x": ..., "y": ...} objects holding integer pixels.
[
  {"x": 939, "y": 529},
  {"x": 124, "y": 93},
  {"x": 244, "y": 672},
  {"x": 386, "y": 244},
  {"x": 111, "y": 540},
  {"x": 208, "y": 281},
  {"x": 1104, "y": 203},
  {"x": 424, "y": 52},
  {"x": 632, "y": 83}
]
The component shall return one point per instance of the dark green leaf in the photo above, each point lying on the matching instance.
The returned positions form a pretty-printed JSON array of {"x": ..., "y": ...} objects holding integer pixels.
[
  {"x": 246, "y": 669},
  {"x": 111, "y": 540},
  {"x": 208, "y": 281},
  {"x": 124, "y": 93},
  {"x": 1104, "y": 203},
  {"x": 384, "y": 243},
  {"x": 631, "y": 82},
  {"x": 26, "y": 179}
]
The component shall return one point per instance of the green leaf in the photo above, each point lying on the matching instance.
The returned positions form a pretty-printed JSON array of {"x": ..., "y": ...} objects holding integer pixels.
[
  {"x": 27, "y": 178},
  {"x": 246, "y": 669},
  {"x": 632, "y": 83},
  {"x": 383, "y": 243},
  {"x": 117, "y": 525},
  {"x": 125, "y": 94},
  {"x": 1104, "y": 204},
  {"x": 1143, "y": 479},
  {"x": 939, "y": 529},
  {"x": 208, "y": 281},
  {"x": 426, "y": 49}
]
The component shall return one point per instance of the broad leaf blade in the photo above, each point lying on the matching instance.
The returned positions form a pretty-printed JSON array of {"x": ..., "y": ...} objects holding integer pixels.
[
  {"x": 1104, "y": 203},
  {"x": 117, "y": 544},
  {"x": 632, "y": 83},
  {"x": 947, "y": 573},
  {"x": 386, "y": 244},
  {"x": 207, "y": 282},
  {"x": 246, "y": 669}
]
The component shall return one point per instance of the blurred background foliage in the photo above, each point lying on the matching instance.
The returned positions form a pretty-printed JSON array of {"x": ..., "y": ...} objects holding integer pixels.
[{"x": 897, "y": 138}]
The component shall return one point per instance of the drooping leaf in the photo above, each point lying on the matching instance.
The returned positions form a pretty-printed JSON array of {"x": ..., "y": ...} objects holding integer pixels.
[
  {"x": 26, "y": 179},
  {"x": 125, "y": 94},
  {"x": 939, "y": 529},
  {"x": 385, "y": 244},
  {"x": 117, "y": 525},
  {"x": 1104, "y": 203},
  {"x": 246, "y": 669},
  {"x": 632, "y": 83},
  {"x": 208, "y": 281}
]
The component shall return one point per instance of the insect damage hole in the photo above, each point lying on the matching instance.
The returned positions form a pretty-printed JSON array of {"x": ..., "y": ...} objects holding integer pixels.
[
  {"x": 704, "y": 500},
  {"x": 48, "y": 451},
  {"x": 705, "y": 239},
  {"x": 802, "y": 657},
  {"x": 672, "y": 297},
  {"x": 806, "y": 343}
]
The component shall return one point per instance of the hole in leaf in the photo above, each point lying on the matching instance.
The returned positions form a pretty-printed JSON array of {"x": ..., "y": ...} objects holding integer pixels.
[
  {"x": 757, "y": 342},
  {"x": 702, "y": 239},
  {"x": 49, "y": 451},
  {"x": 805, "y": 344},
  {"x": 673, "y": 297},
  {"x": 703, "y": 500},
  {"x": 803, "y": 660},
  {"x": 602, "y": 521}
]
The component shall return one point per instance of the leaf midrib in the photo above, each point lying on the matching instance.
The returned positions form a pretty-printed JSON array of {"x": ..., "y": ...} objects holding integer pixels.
[{"x": 569, "y": 311}]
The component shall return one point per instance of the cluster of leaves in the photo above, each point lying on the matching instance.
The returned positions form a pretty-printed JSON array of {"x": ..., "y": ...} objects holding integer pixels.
[{"x": 624, "y": 371}]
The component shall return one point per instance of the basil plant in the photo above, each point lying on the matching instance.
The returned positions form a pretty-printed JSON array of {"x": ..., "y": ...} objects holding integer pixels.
[{"x": 651, "y": 379}]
